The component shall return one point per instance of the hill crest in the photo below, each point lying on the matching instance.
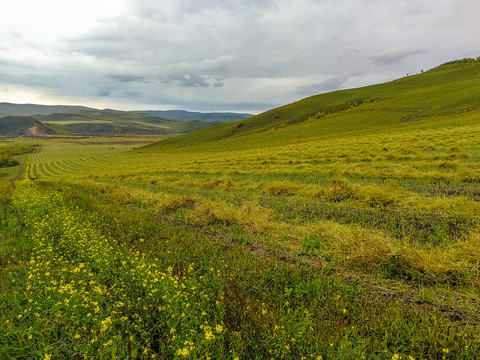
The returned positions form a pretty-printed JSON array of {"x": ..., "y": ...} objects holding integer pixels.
[{"x": 450, "y": 88}]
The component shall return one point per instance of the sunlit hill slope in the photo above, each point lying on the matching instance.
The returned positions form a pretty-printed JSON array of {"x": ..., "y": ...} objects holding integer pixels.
[{"x": 424, "y": 100}]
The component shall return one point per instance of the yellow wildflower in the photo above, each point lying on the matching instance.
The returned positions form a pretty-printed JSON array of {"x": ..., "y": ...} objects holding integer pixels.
[
  {"x": 105, "y": 324},
  {"x": 108, "y": 343},
  {"x": 209, "y": 335},
  {"x": 183, "y": 352}
]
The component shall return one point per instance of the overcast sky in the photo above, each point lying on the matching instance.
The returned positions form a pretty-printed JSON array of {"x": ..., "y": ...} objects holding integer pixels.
[{"x": 221, "y": 55}]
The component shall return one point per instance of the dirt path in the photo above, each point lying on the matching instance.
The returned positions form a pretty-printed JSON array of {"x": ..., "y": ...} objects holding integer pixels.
[{"x": 22, "y": 169}]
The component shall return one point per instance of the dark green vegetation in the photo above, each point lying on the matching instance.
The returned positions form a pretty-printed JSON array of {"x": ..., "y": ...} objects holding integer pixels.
[
  {"x": 7, "y": 152},
  {"x": 19, "y": 125},
  {"x": 344, "y": 226}
]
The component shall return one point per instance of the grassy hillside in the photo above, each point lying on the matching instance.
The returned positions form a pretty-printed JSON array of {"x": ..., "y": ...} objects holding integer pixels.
[
  {"x": 446, "y": 90},
  {"x": 19, "y": 125}
]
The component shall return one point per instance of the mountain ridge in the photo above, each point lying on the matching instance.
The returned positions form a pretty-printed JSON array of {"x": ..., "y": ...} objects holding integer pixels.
[
  {"x": 12, "y": 109},
  {"x": 193, "y": 115},
  {"x": 93, "y": 122}
]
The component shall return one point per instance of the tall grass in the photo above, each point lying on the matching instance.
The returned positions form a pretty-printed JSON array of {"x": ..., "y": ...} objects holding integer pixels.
[{"x": 106, "y": 281}]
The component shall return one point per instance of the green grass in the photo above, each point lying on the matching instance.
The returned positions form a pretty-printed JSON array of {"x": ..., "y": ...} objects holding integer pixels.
[
  {"x": 319, "y": 230},
  {"x": 10, "y": 159},
  {"x": 86, "y": 277}
]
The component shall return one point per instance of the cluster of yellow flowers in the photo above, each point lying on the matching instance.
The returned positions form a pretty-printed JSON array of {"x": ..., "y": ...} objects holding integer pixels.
[{"x": 109, "y": 298}]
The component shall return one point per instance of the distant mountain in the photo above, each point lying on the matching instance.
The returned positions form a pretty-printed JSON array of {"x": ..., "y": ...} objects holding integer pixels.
[
  {"x": 9, "y": 109},
  {"x": 80, "y": 120},
  {"x": 121, "y": 122},
  {"x": 190, "y": 115}
]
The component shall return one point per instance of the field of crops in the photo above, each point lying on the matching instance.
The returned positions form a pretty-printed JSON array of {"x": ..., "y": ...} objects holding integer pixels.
[
  {"x": 248, "y": 253},
  {"x": 313, "y": 240},
  {"x": 62, "y": 159}
]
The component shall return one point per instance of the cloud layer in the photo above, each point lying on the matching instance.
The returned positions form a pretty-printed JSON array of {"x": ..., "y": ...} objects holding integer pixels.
[{"x": 217, "y": 55}]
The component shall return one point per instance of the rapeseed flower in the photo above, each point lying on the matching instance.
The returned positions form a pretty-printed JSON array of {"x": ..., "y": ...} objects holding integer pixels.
[
  {"x": 183, "y": 352},
  {"x": 209, "y": 335}
]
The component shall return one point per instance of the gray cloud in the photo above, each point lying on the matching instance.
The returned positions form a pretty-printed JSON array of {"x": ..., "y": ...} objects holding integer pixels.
[
  {"x": 193, "y": 80},
  {"x": 392, "y": 56},
  {"x": 126, "y": 78},
  {"x": 330, "y": 84},
  {"x": 347, "y": 54},
  {"x": 218, "y": 83},
  {"x": 239, "y": 55},
  {"x": 104, "y": 92}
]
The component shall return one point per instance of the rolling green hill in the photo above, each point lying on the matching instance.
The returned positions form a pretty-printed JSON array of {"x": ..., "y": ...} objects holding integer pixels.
[
  {"x": 96, "y": 122},
  {"x": 114, "y": 122},
  {"x": 19, "y": 125},
  {"x": 9, "y": 109},
  {"x": 451, "y": 88}
]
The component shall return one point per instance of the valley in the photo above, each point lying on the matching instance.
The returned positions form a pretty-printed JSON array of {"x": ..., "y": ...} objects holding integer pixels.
[{"x": 341, "y": 226}]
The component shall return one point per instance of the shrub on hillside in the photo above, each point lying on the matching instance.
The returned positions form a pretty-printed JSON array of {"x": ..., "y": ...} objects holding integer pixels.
[{"x": 5, "y": 162}]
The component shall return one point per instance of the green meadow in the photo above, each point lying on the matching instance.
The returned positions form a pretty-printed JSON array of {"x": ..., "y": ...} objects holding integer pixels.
[{"x": 342, "y": 226}]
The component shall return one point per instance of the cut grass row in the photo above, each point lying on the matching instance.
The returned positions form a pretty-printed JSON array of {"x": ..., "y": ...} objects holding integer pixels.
[
  {"x": 432, "y": 244},
  {"x": 81, "y": 283},
  {"x": 60, "y": 159}
]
